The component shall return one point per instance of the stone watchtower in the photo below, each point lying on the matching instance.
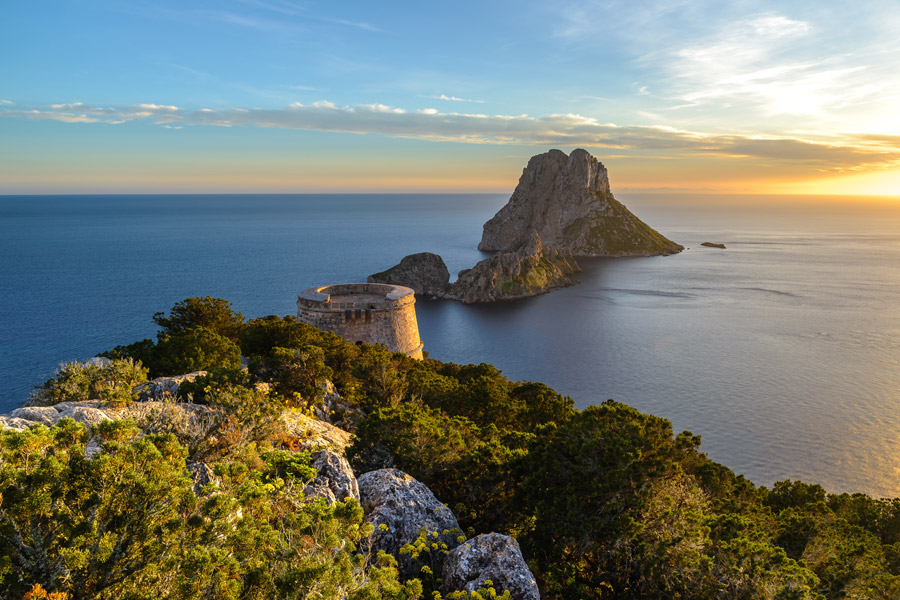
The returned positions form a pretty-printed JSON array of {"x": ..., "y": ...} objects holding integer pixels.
[{"x": 372, "y": 313}]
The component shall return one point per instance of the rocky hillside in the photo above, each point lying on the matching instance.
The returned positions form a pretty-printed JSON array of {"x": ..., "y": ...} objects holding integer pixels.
[{"x": 567, "y": 201}]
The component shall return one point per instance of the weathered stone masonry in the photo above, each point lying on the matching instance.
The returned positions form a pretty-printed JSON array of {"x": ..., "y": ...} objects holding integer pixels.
[{"x": 372, "y": 313}]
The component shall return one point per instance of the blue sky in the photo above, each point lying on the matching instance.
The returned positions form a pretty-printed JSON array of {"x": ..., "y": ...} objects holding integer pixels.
[{"x": 278, "y": 95}]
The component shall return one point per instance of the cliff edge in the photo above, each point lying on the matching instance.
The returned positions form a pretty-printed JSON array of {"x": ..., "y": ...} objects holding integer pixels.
[{"x": 567, "y": 201}]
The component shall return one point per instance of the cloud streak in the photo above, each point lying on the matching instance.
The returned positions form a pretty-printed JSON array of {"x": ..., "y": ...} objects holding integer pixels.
[{"x": 856, "y": 152}]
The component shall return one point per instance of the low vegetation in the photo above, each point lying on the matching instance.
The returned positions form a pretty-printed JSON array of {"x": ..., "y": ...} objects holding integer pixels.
[{"x": 605, "y": 502}]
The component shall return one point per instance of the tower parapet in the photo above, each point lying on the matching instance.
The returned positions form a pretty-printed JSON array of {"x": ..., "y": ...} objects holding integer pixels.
[{"x": 372, "y": 313}]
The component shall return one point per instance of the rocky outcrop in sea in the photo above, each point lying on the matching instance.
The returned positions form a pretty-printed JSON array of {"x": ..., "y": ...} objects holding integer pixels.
[
  {"x": 528, "y": 271},
  {"x": 424, "y": 272},
  {"x": 531, "y": 270},
  {"x": 562, "y": 208},
  {"x": 567, "y": 201}
]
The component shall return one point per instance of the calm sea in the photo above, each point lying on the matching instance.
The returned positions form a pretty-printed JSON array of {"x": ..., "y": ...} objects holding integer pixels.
[{"x": 782, "y": 351}]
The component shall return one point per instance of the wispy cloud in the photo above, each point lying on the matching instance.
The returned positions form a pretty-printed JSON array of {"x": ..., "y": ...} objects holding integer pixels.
[
  {"x": 297, "y": 10},
  {"x": 856, "y": 152},
  {"x": 455, "y": 99}
]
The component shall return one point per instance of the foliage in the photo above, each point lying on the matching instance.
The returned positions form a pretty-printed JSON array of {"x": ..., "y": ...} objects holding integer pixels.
[
  {"x": 125, "y": 524},
  {"x": 606, "y": 502},
  {"x": 199, "y": 390},
  {"x": 296, "y": 374},
  {"x": 112, "y": 383},
  {"x": 194, "y": 349},
  {"x": 214, "y": 314}
]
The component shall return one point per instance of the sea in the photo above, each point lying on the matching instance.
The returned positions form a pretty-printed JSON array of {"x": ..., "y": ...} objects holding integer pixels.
[{"x": 782, "y": 351}]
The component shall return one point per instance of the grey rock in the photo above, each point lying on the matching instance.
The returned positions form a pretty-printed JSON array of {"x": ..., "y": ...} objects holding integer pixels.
[
  {"x": 164, "y": 388},
  {"x": 404, "y": 505},
  {"x": 98, "y": 361},
  {"x": 315, "y": 434},
  {"x": 48, "y": 415},
  {"x": 493, "y": 557},
  {"x": 335, "y": 481},
  {"x": 424, "y": 272},
  {"x": 201, "y": 476},
  {"x": 82, "y": 414},
  {"x": 15, "y": 423},
  {"x": 93, "y": 447},
  {"x": 86, "y": 415},
  {"x": 531, "y": 270},
  {"x": 567, "y": 200}
]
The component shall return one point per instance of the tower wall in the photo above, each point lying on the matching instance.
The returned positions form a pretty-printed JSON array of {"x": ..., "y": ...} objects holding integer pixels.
[{"x": 372, "y": 313}]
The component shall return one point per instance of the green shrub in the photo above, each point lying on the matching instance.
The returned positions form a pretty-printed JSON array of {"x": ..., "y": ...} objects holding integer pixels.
[
  {"x": 112, "y": 383},
  {"x": 194, "y": 349},
  {"x": 214, "y": 314}
]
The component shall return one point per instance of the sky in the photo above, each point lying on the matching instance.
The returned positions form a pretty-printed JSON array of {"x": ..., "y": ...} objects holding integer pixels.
[{"x": 691, "y": 96}]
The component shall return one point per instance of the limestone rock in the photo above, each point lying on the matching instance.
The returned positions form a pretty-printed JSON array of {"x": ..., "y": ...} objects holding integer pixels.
[
  {"x": 424, "y": 272},
  {"x": 336, "y": 480},
  {"x": 82, "y": 412},
  {"x": 494, "y": 557},
  {"x": 93, "y": 448},
  {"x": 18, "y": 424},
  {"x": 315, "y": 434},
  {"x": 405, "y": 505},
  {"x": 531, "y": 270},
  {"x": 713, "y": 245},
  {"x": 201, "y": 476},
  {"x": 98, "y": 361},
  {"x": 567, "y": 200},
  {"x": 164, "y": 388},
  {"x": 47, "y": 415}
]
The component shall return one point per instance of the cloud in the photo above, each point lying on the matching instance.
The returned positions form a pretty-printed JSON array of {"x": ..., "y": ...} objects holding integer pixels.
[
  {"x": 854, "y": 152},
  {"x": 455, "y": 99}
]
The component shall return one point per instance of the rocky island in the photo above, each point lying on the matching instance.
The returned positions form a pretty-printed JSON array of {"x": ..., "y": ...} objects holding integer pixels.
[
  {"x": 522, "y": 273},
  {"x": 561, "y": 208},
  {"x": 567, "y": 201}
]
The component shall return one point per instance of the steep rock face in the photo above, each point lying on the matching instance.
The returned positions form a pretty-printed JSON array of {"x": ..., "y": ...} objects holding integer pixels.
[
  {"x": 404, "y": 505},
  {"x": 532, "y": 269},
  {"x": 494, "y": 557},
  {"x": 567, "y": 200},
  {"x": 424, "y": 272}
]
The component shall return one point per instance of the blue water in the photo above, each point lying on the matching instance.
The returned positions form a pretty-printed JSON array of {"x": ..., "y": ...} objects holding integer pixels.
[{"x": 782, "y": 351}]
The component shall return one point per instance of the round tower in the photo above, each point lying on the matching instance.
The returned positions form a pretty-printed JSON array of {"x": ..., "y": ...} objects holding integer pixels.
[{"x": 372, "y": 313}]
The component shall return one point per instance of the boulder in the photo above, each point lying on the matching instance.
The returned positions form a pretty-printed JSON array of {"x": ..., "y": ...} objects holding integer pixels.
[
  {"x": 531, "y": 270},
  {"x": 567, "y": 200},
  {"x": 83, "y": 412},
  {"x": 48, "y": 415},
  {"x": 164, "y": 388},
  {"x": 489, "y": 557},
  {"x": 18, "y": 424},
  {"x": 404, "y": 505},
  {"x": 314, "y": 434},
  {"x": 98, "y": 361},
  {"x": 424, "y": 272},
  {"x": 335, "y": 481}
]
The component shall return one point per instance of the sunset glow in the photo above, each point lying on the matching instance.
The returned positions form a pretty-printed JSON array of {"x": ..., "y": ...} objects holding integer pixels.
[{"x": 279, "y": 96}]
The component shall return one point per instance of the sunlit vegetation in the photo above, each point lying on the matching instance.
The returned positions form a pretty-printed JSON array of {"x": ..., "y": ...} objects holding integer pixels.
[{"x": 605, "y": 502}]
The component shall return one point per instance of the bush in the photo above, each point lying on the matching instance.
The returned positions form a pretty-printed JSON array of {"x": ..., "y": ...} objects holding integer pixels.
[
  {"x": 195, "y": 349},
  {"x": 214, "y": 314},
  {"x": 112, "y": 383}
]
